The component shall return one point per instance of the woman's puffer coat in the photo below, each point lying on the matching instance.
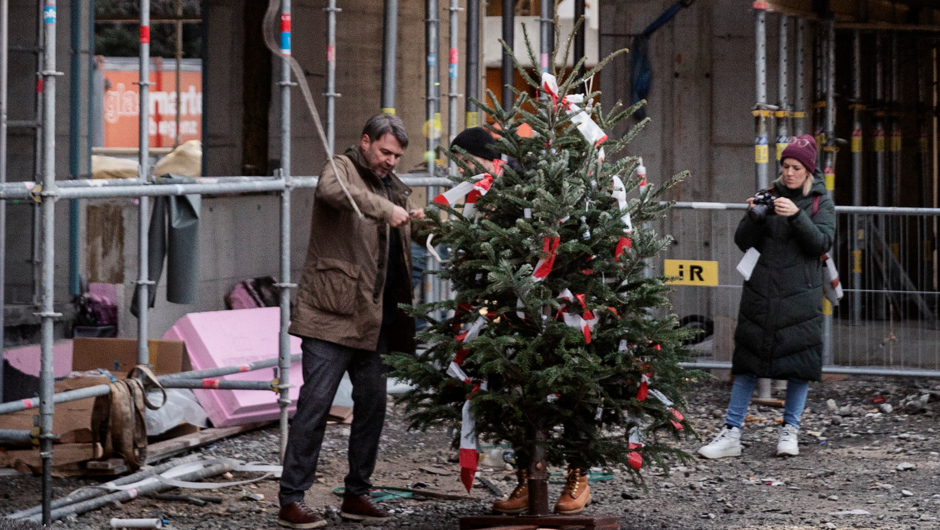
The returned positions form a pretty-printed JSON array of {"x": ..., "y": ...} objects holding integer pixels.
[{"x": 779, "y": 333}]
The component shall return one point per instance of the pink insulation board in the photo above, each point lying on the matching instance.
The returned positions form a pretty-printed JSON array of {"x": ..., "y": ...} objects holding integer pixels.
[
  {"x": 227, "y": 338},
  {"x": 26, "y": 358}
]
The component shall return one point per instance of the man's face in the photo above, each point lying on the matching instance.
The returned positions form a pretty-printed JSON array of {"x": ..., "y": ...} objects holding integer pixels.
[{"x": 381, "y": 155}]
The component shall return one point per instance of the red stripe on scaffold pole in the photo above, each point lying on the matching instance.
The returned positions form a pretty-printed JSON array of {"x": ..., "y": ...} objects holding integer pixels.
[{"x": 145, "y": 34}]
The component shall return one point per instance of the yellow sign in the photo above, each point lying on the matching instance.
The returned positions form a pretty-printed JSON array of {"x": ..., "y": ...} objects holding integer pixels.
[
  {"x": 690, "y": 272},
  {"x": 760, "y": 154}
]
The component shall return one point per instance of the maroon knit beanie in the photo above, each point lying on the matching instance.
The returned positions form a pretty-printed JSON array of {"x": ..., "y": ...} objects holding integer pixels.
[{"x": 803, "y": 150}]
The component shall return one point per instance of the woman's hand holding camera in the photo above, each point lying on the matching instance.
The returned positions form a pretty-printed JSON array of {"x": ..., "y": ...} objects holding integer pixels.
[{"x": 785, "y": 207}]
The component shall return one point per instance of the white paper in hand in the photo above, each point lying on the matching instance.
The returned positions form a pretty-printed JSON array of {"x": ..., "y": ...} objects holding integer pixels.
[{"x": 746, "y": 266}]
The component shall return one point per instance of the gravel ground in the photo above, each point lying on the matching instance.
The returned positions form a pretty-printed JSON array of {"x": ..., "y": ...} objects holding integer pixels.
[{"x": 868, "y": 459}]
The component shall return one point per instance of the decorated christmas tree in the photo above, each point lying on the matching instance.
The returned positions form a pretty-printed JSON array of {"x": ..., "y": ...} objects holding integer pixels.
[{"x": 559, "y": 341}]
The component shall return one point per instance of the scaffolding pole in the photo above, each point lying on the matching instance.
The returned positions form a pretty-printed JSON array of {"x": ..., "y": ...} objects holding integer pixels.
[
  {"x": 878, "y": 146},
  {"x": 783, "y": 81},
  {"x": 331, "y": 94},
  {"x": 761, "y": 110},
  {"x": 452, "y": 88},
  {"x": 830, "y": 163},
  {"x": 75, "y": 120},
  {"x": 508, "y": 70},
  {"x": 579, "y": 36},
  {"x": 546, "y": 34},
  {"x": 284, "y": 286},
  {"x": 389, "y": 55},
  {"x": 433, "y": 117},
  {"x": 799, "y": 114},
  {"x": 4, "y": 106},
  {"x": 472, "y": 90},
  {"x": 858, "y": 239},
  {"x": 47, "y": 313},
  {"x": 36, "y": 258},
  {"x": 144, "y": 283},
  {"x": 927, "y": 191}
]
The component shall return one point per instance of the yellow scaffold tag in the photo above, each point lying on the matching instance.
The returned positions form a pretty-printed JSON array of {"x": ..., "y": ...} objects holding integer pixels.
[
  {"x": 856, "y": 261},
  {"x": 691, "y": 272},
  {"x": 473, "y": 119},
  {"x": 827, "y": 306},
  {"x": 761, "y": 154}
]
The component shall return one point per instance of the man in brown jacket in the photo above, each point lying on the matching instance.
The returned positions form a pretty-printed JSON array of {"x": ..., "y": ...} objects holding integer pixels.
[{"x": 357, "y": 271}]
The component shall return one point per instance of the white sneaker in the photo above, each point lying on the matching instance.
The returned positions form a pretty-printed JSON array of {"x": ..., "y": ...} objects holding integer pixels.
[
  {"x": 727, "y": 443},
  {"x": 787, "y": 444}
]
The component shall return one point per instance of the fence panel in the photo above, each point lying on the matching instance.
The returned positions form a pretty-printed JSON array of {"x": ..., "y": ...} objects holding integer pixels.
[{"x": 887, "y": 320}]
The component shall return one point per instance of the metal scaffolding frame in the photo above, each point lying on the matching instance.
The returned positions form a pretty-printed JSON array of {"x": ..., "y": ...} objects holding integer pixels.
[{"x": 47, "y": 191}]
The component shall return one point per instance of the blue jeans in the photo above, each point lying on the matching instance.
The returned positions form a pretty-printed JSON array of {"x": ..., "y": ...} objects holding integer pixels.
[
  {"x": 741, "y": 396},
  {"x": 324, "y": 364}
]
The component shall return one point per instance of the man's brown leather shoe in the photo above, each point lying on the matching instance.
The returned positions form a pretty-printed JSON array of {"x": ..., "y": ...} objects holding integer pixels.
[
  {"x": 299, "y": 515},
  {"x": 518, "y": 500},
  {"x": 575, "y": 495},
  {"x": 360, "y": 508}
]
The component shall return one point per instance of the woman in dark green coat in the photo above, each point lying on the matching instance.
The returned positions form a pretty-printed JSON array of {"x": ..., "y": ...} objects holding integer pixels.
[{"x": 779, "y": 333}]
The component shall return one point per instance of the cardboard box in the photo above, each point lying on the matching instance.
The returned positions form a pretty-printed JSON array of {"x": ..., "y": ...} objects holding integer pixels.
[{"x": 166, "y": 356}]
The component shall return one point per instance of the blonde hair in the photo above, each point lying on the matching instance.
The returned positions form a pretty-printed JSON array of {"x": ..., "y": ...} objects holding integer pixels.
[{"x": 807, "y": 185}]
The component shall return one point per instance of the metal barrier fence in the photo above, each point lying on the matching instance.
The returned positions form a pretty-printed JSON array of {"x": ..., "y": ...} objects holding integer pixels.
[{"x": 886, "y": 324}]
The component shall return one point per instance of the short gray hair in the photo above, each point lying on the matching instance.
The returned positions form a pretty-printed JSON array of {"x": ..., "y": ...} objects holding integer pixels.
[{"x": 382, "y": 124}]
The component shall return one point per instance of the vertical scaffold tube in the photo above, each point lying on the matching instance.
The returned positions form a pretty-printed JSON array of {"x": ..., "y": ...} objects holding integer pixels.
[
  {"x": 473, "y": 64},
  {"x": 546, "y": 35},
  {"x": 37, "y": 159},
  {"x": 389, "y": 56},
  {"x": 284, "y": 286},
  {"x": 894, "y": 150},
  {"x": 878, "y": 136},
  {"x": 4, "y": 106},
  {"x": 819, "y": 78},
  {"x": 143, "y": 213},
  {"x": 799, "y": 104},
  {"x": 926, "y": 187},
  {"x": 783, "y": 82},
  {"x": 452, "y": 69},
  {"x": 432, "y": 126},
  {"x": 75, "y": 139},
  {"x": 830, "y": 162},
  {"x": 761, "y": 146},
  {"x": 857, "y": 237},
  {"x": 579, "y": 36},
  {"x": 47, "y": 314},
  {"x": 331, "y": 94},
  {"x": 509, "y": 73}
]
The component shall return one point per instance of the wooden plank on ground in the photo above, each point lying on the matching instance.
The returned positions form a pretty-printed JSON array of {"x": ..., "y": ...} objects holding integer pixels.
[
  {"x": 167, "y": 448},
  {"x": 61, "y": 454}
]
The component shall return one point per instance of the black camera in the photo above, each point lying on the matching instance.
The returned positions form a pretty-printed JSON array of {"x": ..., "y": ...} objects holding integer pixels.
[{"x": 763, "y": 205}]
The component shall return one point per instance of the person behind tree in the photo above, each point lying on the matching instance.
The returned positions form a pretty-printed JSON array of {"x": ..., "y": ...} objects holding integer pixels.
[{"x": 779, "y": 332}]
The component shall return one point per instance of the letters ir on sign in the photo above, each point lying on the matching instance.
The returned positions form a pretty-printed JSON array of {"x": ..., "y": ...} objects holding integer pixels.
[{"x": 691, "y": 272}]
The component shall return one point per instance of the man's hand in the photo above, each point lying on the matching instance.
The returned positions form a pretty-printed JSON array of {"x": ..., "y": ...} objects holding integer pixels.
[
  {"x": 417, "y": 214},
  {"x": 750, "y": 202},
  {"x": 399, "y": 217}
]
